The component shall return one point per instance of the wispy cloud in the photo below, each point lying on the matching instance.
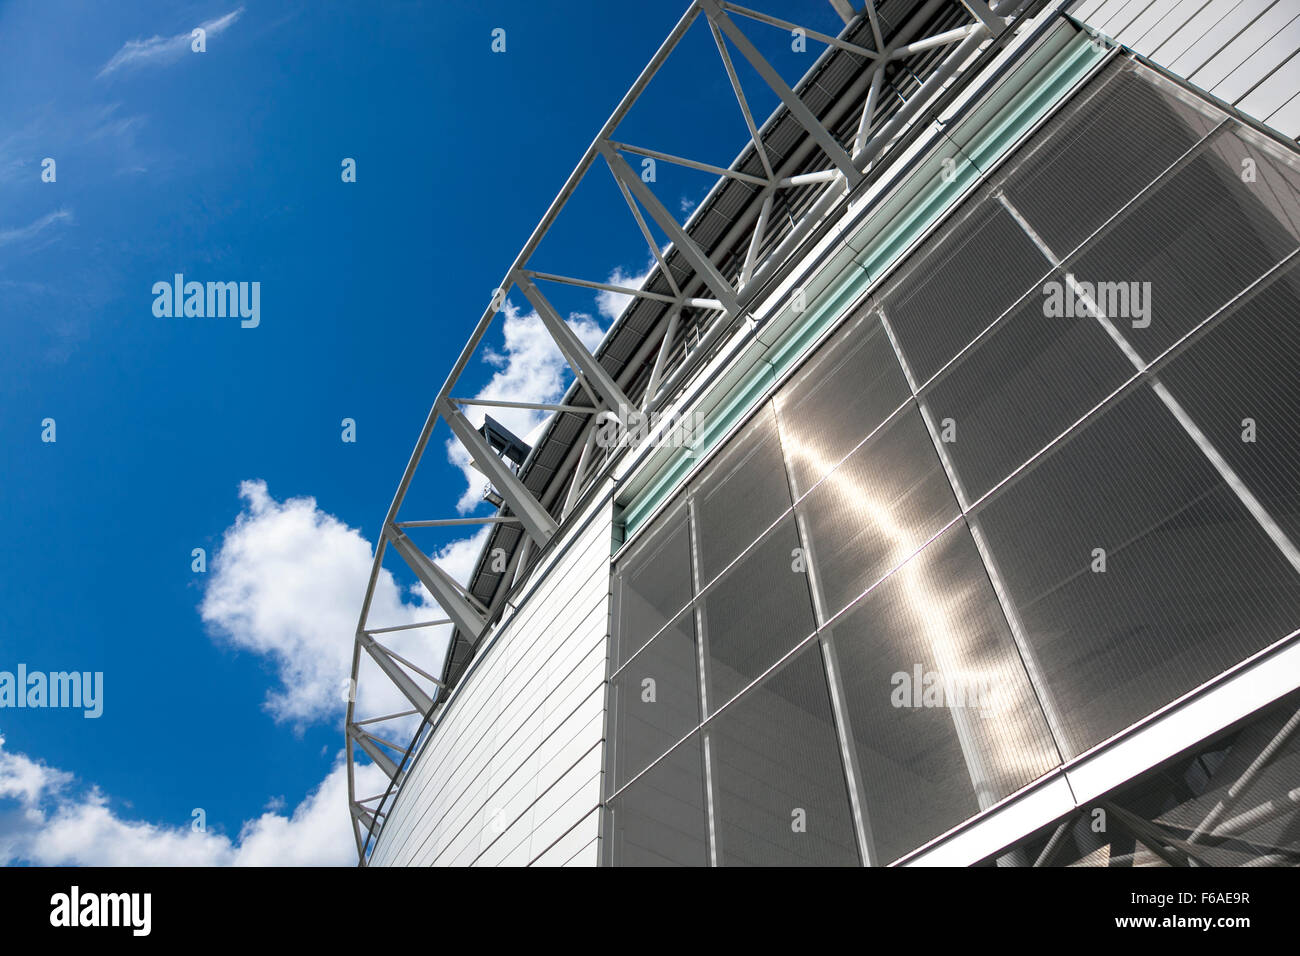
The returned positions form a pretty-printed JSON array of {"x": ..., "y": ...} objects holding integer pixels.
[
  {"x": 159, "y": 50},
  {"x": 23, "y": 233}
]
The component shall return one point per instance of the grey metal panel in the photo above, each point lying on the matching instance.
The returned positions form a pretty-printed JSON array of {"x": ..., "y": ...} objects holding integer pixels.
[
  {"x": 881, "y": 505},
  {"x": 937, "y": 697},
  {"x": 779, "y": 787},
  {"x": 1198, "y": 239},
  {"x": 1024, "y": 384},
  {"x": 1245, "y": 372},
  {"x": 660, "y": 819},
  {"x": 656, "y": 699},
  {"x": 838, "y": 398},
  {"x": 738, "y": 495},
  {"x": 653, "y": 584},
  {"x": 755, "y": 613},
  {"x": 1191, "y": 585},
  {"x": 957, "y": 284},
  {"x": 1090, "y": 160}
]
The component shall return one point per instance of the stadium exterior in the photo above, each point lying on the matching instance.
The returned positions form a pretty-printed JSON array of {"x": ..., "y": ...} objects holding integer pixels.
[{"x": 933, "y": 501}]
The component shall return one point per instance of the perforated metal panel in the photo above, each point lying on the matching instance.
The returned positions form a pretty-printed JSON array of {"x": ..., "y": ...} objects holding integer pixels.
[
  {"x": 653, "y": 584},
  {"x": 943, "y": 717},
  {"x": 780, "y": 793},
  {"x": 659, "y": 819},
  {"x": 1074, "y": 520},
  {"x": 875, "y": 510},
  {"x": 1191, "y": 583},
  {"x": 755, "y": 612},
  {"x": 740, "y": 493},
  {"x": 656, "y": 698},
  {"x": 843, "y": 394}
]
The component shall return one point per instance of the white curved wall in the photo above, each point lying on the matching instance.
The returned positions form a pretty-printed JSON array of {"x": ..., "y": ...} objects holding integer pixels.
[
  {"x": 1245, "y": 52},
  {"x": 512, "y": 773}
]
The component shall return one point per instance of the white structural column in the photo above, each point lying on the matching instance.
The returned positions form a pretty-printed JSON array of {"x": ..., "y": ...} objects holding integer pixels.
[
  {"x": 412, "y": 691},
  {"x": 440, "y": 584},
  {"x": 536, "y": 521},
  {"x": 584, "y": 364}
]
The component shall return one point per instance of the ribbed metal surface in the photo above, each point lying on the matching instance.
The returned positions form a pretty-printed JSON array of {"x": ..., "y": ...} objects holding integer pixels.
[
  {"x": 960, "y": 280},
  {"x": 1243, "y": 373},
  {"x": 653, "y": 584},
  {"x": 1191, "y": 585},
  {"x": 780, "y": 797},
  {"x": 1019, "y": 387},
  {"x": 740, "y": 493},
  {"x": 840, "y": 397},
  {"x": 1120, "y": 133},
  {"x": 942, "y": 713},
  {"x": 657, "y": 698},
  {"x": 875, "y": 510},
  {"x": 756, "y": 612},
  {"x": 660, "y": 819},
  {"x": 1133, "y": 509}
]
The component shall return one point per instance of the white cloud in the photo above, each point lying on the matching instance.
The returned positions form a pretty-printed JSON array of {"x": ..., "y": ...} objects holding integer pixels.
[
  {"x": 612, "y": 304},
  {"x": 529, "y": 369},
  {"x": 23, "y": 233},
  {"x": 56, "y": 826},
  {"x": 287, "y": 583},
  {"x": 158, "y": 50}
]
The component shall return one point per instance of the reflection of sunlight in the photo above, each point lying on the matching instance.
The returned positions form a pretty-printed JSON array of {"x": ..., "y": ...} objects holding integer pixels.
[{"x": 992, "y": 750}]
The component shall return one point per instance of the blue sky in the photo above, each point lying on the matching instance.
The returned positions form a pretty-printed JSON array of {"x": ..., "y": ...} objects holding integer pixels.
[{"x": 225, "y": 166}]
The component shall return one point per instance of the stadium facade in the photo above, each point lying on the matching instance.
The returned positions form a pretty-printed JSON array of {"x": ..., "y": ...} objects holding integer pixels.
[{"x": 934, "y": 499}]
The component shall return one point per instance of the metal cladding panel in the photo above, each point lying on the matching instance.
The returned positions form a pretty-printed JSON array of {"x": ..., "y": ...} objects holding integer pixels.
[
  {"x": 754, "y": 613},
  {"x": 874, "y": 511},
  {"x": 1194, "y": 243},
  {"x": 656, "y": 698},
  {"x": 660, "y": 819},
  {"x": 652, "y": 585},
  {"x": 1090, "y": 160},
  {"x": 1240, "y": 383},
  {"x": 739, "y": 495},
  {"x": 1135, "y": 571},
  {"x": 780, "y": 791},
  {"x": 512, "y": 740},
  {"x": 943, "y": 717},
  {"x": 844, "y": 393},
  {"x": 963, "y": 278},
  {"x": 1018, "y": 532},
  {"x": 1020, "y": 387}
]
